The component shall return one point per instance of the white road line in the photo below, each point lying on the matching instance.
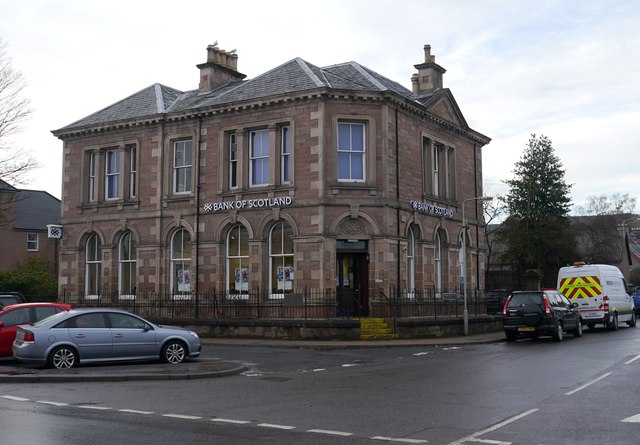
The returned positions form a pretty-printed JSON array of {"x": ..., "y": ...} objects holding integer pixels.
[
  {"x": 632, "y": 419},
  {"x": 491, "y": 442},
  {"x": 632, "y": 360},
  {"x": 332, "y": 433},
  {"x": 319, "y": 369},
  {"x": 135, "y": 411},
  {"x": 16, "y": 399},
  {"x": 97, "y": 408},
  {"x": 349, "y": 365},
  {"x": 279, "y": 427},
  {"x": 48, "y": 402},
  {"x": 395, "y": 439},
  {"x": 586, "y": 385},
  {"x": 239, "y": 422},
  {"x": 474, "y": 436},
  {"x": 181, "y": 416}
]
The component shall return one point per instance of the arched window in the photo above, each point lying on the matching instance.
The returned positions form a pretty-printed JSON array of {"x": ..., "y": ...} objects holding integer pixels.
[
  {"x": 127, "y": 275},
  {"x": 411, "y": 263},
  {"x": 238, "y": 260},
  {"x": 437, "y": 282},
  {"x": 281, "y": 259},
  {"x": 181, "y": 262},
  {"x": 92, "y": 267}
]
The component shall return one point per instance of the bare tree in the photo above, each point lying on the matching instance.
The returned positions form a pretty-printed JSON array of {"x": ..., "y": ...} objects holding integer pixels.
[
  {"x": 494, "y": 212},
  {"x": 615, "y": 204},
  {"x": 15, "y": 163}
]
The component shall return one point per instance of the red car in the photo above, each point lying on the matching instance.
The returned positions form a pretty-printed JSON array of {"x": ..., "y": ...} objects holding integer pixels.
[{"x": 24, "y": 313}]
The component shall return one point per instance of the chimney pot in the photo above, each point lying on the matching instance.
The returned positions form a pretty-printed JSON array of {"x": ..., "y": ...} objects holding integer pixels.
[{"x": 220, "y": 68}]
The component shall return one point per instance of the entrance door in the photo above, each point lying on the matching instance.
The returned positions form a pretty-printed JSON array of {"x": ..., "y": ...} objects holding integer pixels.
[{"x": 352, "y": 284}]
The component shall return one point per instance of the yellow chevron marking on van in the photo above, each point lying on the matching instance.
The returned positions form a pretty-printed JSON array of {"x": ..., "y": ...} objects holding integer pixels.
[{"x": 580, "y": 287}]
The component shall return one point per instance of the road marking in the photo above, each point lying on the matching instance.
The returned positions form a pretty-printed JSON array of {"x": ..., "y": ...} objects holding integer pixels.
[
  {"x": 632, "y": 419},
  {"x": 279, "y": 427},
  {"x": 395, "y": 439},
  {"x": 135, "y": 411},
  {"x": 182, "y": 416},
  {"x": 349, "y": 365},
  {"x": 333, "y": 433},
  {"x": 239, "y": 422},
  {"x": 418, "y": 354},
  {"x": 98, "y": 408},
  {"x": 17, "y": 399},
  {"x": 632, "y": 360},
  {"x": 586, "y": 385},
  {"x": 48, "y": 402},
  {"x": 319, "y": 369},
  {"x": 474, "y": 437}
]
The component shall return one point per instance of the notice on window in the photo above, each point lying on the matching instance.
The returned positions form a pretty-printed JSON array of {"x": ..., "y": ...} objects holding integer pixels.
[
  {"x": 285, "y": 277},
  {"x": 184, "y": 280},
  {"x": 242, "y": 278}
]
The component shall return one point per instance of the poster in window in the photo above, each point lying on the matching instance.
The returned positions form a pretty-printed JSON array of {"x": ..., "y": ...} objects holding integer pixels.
[
  {"x": 242, "y": 278},
  {"x": 184, "y": 280},
  {"x": 285, "y": 277}
]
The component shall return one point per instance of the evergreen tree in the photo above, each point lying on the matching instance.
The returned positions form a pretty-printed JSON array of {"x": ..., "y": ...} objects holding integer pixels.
[{"x": 538, "y": 233}]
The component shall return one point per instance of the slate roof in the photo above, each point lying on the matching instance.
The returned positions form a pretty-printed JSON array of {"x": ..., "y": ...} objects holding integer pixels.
[
  {"x": 294, "y": 76},
  {"x": 35, "y": 209}
]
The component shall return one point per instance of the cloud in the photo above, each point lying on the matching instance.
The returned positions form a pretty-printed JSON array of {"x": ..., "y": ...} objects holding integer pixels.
[{"x": 567, "y": 69}]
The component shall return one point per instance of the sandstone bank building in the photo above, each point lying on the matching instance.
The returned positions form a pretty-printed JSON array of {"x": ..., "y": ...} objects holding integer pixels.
[{"x": 335, "y": 179}]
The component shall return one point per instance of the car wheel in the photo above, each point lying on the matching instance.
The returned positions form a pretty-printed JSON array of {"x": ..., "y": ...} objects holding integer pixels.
[
  {"x": 578, "y": 330},
  {"x": 632, "y": 322},
  {"x": 174, "y": 352},
  {"x": 63, "y": 357},
  {"x": 613, "y": 324},
  {"x": 511, "y": 336},
  {"x": 558, "y": 335}
]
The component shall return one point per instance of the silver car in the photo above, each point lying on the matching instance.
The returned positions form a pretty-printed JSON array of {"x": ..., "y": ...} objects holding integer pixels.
[{"x": 95, "y": 335}]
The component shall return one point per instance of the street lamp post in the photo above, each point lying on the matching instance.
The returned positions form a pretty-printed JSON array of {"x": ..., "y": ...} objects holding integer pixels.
[{"x": 464, "y": 258}]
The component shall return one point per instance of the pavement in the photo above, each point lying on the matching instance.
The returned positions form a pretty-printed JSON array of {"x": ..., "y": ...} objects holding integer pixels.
[{"x": 201, "y": 368}]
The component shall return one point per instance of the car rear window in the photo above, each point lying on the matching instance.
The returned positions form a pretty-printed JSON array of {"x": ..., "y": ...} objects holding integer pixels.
[{"x": 525, "y": 298}]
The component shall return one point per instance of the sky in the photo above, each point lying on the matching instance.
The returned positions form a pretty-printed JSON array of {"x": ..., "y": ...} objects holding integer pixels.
[{"x": 566, "y": 69}]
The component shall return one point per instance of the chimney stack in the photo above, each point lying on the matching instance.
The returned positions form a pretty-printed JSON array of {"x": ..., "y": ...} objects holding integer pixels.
[
  {"x": 429, "y": 76},
  {"x": 220, "y": 68}
]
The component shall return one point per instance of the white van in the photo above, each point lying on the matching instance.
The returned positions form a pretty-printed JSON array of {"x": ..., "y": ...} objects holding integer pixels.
[{"x": 601, "y": 294}]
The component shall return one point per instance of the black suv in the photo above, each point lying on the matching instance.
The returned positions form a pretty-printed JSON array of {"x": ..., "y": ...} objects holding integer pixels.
[
  {"x": 7, "y": 298},
  {"x": 544, "y": 312}
]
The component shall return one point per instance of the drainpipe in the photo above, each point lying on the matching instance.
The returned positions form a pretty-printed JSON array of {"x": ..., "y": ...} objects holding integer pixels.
[
  {"x": 397, "y": 198},
  {"x": 475, "y": 193},
  {"x": 161, "y": 219},
  {"x": 198, "y": 185}
]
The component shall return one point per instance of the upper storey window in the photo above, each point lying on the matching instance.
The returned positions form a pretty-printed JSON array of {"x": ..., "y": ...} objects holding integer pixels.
[
  {"x": 351, "y": 152},
  {"x": 182, "y": 166},
  {"x": 439, "y": 170},
  {"x": 110, "y": 174},
  {"x": 259, "y": 157}
]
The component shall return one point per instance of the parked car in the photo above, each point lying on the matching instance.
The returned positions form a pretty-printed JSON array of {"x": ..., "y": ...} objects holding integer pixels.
[
  {"x": 102, "y": 335},
  {"x": 535, "y": 313},
  {"x": 636, "y": 302},
  {"x": 7, "y": 298},
  {"x": 13, "y": 315}
]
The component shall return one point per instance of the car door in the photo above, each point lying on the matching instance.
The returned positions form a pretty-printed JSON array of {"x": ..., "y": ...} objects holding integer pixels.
[
  {"x": 91, "y": 336},
  {"x": 10, "y": 320},
  {"x": 132, "y": 337},
  {"x": 570, "y": 315}
]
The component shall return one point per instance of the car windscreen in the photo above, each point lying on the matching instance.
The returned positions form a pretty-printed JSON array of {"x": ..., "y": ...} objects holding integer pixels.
[
  {"x": 525, "y": 298},
  {"x": 48, "y": 319}
]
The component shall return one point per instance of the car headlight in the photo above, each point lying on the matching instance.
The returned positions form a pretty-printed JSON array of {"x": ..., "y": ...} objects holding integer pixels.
[{"x": 194, "y": 334}]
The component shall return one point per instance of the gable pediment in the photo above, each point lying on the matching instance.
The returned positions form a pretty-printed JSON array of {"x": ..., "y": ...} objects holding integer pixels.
[{"x": 443, "y": 105}]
